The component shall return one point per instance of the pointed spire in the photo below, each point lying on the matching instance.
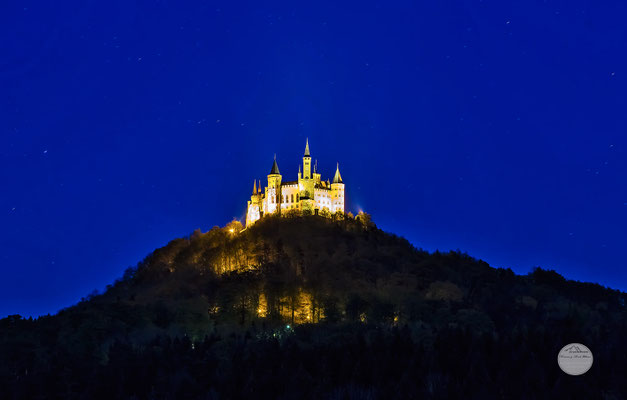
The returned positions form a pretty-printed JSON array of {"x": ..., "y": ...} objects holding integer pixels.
[
  {"x": 275, "y": 168},
  {"x": 307, "y": 148},
  {"x": 259, "y": 189},
  {"x": 255, "y": 186},
  {"x": 337, "y": 178}
]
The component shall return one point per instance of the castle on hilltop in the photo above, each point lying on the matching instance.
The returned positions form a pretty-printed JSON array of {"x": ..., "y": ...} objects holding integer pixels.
[{"x": 308, "y": 194}]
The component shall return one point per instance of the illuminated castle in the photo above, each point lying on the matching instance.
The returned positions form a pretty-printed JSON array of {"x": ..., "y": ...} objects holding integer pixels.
[{"x": 309, "y": 194}]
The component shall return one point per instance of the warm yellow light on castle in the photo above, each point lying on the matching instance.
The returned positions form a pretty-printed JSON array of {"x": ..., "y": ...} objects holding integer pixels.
[{"x": 308, "y": 194}]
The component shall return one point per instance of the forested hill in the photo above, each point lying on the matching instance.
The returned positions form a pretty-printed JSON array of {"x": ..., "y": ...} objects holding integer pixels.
[{"x": 308, "y": 307}]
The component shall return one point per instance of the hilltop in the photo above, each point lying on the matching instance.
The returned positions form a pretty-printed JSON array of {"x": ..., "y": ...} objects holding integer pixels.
[{"x": 309, "y": 307}]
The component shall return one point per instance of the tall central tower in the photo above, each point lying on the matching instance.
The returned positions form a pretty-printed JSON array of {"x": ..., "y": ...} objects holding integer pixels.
[
  {"x": 307, "y": 162},
  {"x": 306, "y": 183}
]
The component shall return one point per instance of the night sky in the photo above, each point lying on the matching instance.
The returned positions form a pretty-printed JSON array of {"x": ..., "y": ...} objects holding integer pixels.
[{"x": 496, "y": 129}]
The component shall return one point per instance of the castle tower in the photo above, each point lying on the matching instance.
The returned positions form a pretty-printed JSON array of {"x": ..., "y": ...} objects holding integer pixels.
[
  {"x": 273, "y": 191},
  {"x": 337, "y": 191},
  {"x": 307, "y": 162},
  {"x": 254, "y": 205},
  {"x": 306, "y": 184}
]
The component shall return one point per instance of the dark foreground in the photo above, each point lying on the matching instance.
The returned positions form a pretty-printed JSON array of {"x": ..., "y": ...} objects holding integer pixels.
[{"x": 303, "y": 307}]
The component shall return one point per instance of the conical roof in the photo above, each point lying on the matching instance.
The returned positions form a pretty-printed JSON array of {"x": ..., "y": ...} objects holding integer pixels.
[
  {"x": 337, "y": 178},
  {"x": 275, "y": 168}
]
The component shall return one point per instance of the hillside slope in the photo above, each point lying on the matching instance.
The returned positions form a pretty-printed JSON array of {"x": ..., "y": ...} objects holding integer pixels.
[{"x": 311, "y": 308}]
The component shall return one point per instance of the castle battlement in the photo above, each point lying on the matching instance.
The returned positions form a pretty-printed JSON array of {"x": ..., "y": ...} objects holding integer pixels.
[{"x": 308, "y": 194}]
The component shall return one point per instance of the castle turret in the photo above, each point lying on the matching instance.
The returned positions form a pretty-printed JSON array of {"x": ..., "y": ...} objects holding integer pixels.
[
  {"x": 317, "y": 178},
  {"x": 273, "y": 191},
  {"x": 255, "y": 207},
  {"x": 337, "y": 191}
]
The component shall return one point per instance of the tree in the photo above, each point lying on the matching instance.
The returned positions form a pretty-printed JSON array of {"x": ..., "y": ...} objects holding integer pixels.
[
  {"x": 339, "y": 216},
  {"x": 325, "y": 213},
  {"x": 292, "y": 213},
  {"x": 234, "y": 227},
  {"x": 444, "y": 291},
  {"x": 365, "y": 220}
]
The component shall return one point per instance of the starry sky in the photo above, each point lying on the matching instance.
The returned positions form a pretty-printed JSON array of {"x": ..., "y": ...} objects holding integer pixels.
[{"x": 496, "y": 128}]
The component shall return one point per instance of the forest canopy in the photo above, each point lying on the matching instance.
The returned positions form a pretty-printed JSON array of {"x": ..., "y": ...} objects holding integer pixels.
[{"x": 334, "y": 306}]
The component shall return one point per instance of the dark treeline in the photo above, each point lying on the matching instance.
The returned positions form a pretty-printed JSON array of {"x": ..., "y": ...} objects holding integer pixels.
[{"x": 308, "y": 307}]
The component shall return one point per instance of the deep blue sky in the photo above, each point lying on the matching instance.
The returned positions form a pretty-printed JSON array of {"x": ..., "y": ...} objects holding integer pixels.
[{"x": 491, "y": 127}]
